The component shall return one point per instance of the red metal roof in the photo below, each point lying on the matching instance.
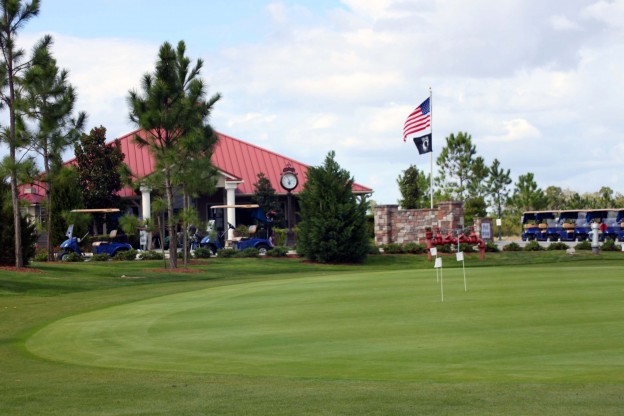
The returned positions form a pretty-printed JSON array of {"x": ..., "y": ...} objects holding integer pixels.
[
  {"x": 235, "y": 158},
  {"x": 32, "y": 192}
]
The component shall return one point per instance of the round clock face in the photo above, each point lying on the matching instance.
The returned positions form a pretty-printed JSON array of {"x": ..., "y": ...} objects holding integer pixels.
[{"x": 289, "y": 181}]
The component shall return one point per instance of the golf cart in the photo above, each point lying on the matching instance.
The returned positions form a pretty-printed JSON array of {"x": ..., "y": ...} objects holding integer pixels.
[
  {"x": 260, "y": 235},
  {"x": 110, "y": 247}
]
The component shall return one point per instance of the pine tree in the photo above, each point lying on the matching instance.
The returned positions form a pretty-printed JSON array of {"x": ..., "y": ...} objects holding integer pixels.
[
  {"x": 455, "y": 164},
  {"x": 414, "y": 188},
  {"x": 15, "y": 15},
  {"x": 171, "y": 108},
  {"x": 333, "y": 226}
]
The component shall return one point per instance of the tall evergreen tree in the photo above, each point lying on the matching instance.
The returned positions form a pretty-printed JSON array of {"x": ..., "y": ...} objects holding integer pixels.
[
  {"x": 49, "y": 99},
  {"x": 414, "y": 188},
  {"x": 528, "y": 196},
  {"x": 171, "y": 107},
  {"x": 497, "y": 185},
  {"x": 333, "y": 226},
  {"x": 455, "y": 164},
  {"x": 15, "y": 14}
]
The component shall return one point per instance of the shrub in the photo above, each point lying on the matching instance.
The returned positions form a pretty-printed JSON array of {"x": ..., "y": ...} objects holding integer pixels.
[
  {"x": 467, "y": 248},
  {"x": 446, "y": 248},
  {"x": 73, "y": 258},
  {"x": 41, "y": 256},
  {"x": 393, "y": 248},
  {"x": 226, "y": 253},
  {"x": 151, "y": 255},
  {"x": 248, "y": 252},
  {"x": 583, "y": 245},
  {"x": 279, "y": 236},
  {"x": 533, "y": 246},
  {"x": 278, "y": 251},
  {"x": 414, "y": 248},
  {"x": 512, "y": 247},
  {"x": 373, "y": 249},
  {"x": 609, "y": 245},
  {"x": 491, "y": 247},
  {"x": 100, "y": 257},
  {"x": 203, "y": 253},
  {"x": 125, "y": 255},
  {"x": 557, "y": 246}
]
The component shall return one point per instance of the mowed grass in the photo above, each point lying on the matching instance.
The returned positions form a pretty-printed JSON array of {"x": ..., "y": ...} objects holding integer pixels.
[{"x": 284, "y": 337}]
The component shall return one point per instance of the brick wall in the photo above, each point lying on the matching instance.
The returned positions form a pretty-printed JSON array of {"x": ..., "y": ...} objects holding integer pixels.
[{"x": 394, "y": 225}]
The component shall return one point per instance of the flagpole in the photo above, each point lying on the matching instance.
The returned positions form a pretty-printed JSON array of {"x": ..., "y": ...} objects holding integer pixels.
[{"x": 431, "y": 153}]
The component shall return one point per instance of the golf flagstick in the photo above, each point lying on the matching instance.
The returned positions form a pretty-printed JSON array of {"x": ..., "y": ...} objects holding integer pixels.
[
  {"x": 460, "y": 257},
  {"x": 438, "y": 265},
  {"x": 434, "y": 253}
]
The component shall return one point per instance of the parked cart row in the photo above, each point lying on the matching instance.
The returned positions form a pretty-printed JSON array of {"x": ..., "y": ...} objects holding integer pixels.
[{"x": 572, "y": 225}]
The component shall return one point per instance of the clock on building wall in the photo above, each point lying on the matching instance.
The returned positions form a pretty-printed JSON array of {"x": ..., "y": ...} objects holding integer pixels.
[{"x": 289, "y": 179}]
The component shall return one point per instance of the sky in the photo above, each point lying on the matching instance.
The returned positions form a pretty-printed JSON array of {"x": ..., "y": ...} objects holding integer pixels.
[{"x": 537, "y": 84}]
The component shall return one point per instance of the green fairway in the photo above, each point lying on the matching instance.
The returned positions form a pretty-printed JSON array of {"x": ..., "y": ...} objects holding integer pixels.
[
  {"x": 515, "y": 324},
  {"x": 536, "y": 333}
]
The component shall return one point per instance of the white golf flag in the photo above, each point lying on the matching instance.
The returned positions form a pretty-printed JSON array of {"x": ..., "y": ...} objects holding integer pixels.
[
  {"x": 438, "y": 262},
  {"x": 460, "y": 256},
  {"x": 434, "y": 251}
]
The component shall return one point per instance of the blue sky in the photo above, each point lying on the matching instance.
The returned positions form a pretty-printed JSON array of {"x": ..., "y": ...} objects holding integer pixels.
[{"x": 537, "y": 84}]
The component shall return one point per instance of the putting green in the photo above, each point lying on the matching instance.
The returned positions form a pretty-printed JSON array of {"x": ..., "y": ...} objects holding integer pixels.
[{"x": 514, "y": 324}]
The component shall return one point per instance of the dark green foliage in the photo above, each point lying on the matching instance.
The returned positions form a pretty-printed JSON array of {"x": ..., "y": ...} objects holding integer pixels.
[
  {"x": 455, "y": 165},
  {"x": 333, "y": 227},
  {"x": 66, "y": 195},
  {"x": 609, "y": 245},
  {"x": 533, "y": 246},
  {"x": 393, "y": 248},
  {"x": 41, "y": 256},
  {"x": 173, "y": 110},
  {"x": 278, "y": 251},
  {"x": 512, "y": 247},
  {"x": 497, "y": 186},
  {"x": 7, "y": 231},
  {"x": 226, "y": 253},
  {"x": 583, "y": 245},
  {"x": 125, "y": 255},
  {"x": 73, "y": 258},
  {"x": 99, "y": 167},
  {"x": 528, "y": 195},
  {"x": 265, "y": 196},
  {"x": 474, "y": 207},
  {"x": 151, "y": 255},
  {"x": 248, "y": 252},
  {"x": 467, "y": 248},
  {"x": 100, "y": 257},
  {"x": 445, "y": 248},
  {"x": 557, "y": 246},
  {"x": 415, "y": 248},
  {"x": 373, "y": 249},
  {"x": 491, "y": 247},
  {"x": 203, "y": 253},
  {"x": 414, "y": 188}
]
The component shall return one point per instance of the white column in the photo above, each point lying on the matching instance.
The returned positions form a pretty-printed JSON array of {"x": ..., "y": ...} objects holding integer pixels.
[
  {"x": 146, "y": 210},
  {"x": 230, "y": 189}
]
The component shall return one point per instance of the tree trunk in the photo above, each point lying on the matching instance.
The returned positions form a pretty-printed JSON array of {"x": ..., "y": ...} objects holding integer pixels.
[
  {"x": 19, "y": 261},
  {"x": 173, "y": 238}
]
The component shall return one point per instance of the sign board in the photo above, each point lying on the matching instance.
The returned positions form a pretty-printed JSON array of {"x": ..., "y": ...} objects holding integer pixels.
[
  {"x": 438, "y": 263},
  {"x": 143, "y": 237},
  {"x": 486, "y": 232},
  {"x": 434, "y": 251},
  {"x": 460, "y": 256},
  {"x": 499, "y": 222}
]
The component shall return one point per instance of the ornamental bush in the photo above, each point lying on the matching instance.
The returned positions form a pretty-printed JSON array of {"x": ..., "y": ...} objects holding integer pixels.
[
  {"x": 491, "y": 247},
  {"x": 100, "y": 257},
  {"x": 583, "y": 245},
  {"x": 533, "y": 246},
  {"x": 125, "y": 255},
  {"x": 609, "y": 245},
  {"x": 278, "y": 251},
  {"x": 557, "y": 246},
  {"x": 512, "y": 247}
]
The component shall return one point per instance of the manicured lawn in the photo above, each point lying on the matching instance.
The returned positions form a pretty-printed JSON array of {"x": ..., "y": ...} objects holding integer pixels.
[{"x": 536, "y": 333}]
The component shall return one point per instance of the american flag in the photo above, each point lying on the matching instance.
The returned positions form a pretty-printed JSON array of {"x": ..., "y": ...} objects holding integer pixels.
[{"x": 418, "y": 120}]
